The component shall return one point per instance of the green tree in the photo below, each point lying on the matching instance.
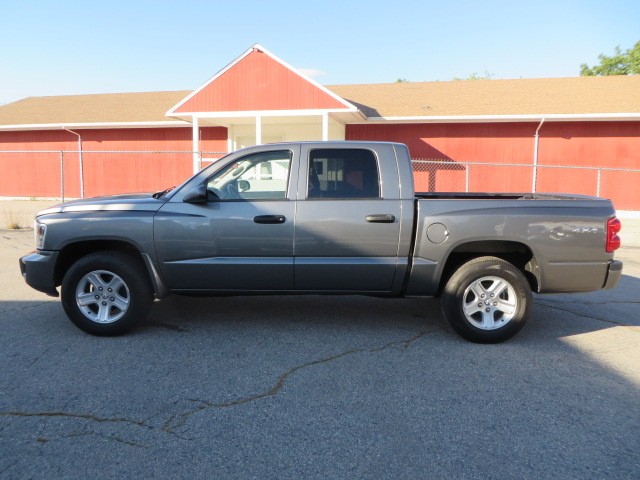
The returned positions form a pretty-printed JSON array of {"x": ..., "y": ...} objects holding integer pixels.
[
  {"x": 621, "y": 63},
  {"x": 477, "y": 76}
]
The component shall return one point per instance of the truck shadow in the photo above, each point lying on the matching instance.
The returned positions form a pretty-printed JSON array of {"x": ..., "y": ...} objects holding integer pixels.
[{"x": 553, "y": 316}]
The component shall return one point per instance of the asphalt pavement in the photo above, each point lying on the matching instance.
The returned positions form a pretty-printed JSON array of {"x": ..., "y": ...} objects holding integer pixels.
[{"x": 319, "y": 387}]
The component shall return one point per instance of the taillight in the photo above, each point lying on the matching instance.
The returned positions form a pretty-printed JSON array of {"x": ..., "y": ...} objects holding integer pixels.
[{"x": 613, "y": 240}]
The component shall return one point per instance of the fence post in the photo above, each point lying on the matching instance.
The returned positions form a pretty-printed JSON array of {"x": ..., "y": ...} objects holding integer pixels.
[
  {"x": 598, "y": 184},
  {"x": 61, "y": 176},
  {"x": 200, "y": 160},
  {"x": 534, "y": 181},
  {"x": 466, "y": 178}
]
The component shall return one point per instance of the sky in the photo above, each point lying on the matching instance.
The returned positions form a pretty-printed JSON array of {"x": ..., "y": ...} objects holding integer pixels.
[{"x": 68, "y": 47}]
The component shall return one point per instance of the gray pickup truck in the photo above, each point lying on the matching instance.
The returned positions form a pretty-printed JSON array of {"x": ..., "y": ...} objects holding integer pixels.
[{"x": 322, "y": 218}]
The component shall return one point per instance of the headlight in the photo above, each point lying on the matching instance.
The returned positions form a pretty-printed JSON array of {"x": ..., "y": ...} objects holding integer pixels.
[{"x": 40, "y": 230}]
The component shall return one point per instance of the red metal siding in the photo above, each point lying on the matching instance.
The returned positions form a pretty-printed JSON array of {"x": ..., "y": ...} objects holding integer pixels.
[
  {"x": 592, "y": 144},
  {"x": 131, "y": 168},
  {"x": 144, "y": 171},
  {"x": 622, "y": 188},
  {"x": 258, "y": 82},
  {"x": 610, "y": 144},
  {"x": 456, "y": 143},
  {"x": 588, "y": 144},
  {"x": 35, "y": 174},
  {"x": 465, "y": 142}
]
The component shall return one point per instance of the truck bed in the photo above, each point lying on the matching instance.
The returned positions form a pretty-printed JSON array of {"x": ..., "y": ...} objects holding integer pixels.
[{"x": 498, "y": 196}]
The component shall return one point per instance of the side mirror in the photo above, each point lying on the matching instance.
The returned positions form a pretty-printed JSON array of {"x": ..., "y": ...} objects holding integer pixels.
[{"x": 196, "y": 195}]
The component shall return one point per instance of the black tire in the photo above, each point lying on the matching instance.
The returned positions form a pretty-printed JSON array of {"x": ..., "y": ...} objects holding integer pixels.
[
  {"x": 114, "y": 290},
  {"x": 487, "y": 300}
]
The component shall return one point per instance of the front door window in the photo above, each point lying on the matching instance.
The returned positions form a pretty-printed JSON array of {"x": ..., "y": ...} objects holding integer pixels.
[{"x": 261, "y": 176}]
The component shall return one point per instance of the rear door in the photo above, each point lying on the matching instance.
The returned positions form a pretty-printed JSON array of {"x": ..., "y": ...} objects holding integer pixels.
[{"x": 347, "y": 222}]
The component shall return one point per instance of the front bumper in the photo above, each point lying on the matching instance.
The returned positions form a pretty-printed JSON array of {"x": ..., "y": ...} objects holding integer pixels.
[
  {"x": 38, "y": 269},
  {"x": 614, "y": 272}
]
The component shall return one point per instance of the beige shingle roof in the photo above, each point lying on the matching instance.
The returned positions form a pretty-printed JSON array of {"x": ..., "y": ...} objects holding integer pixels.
[
  {"x": 580, "y": 95},
  {"x": 99, "y": 108},
  {"x": 535, "y": 96}
]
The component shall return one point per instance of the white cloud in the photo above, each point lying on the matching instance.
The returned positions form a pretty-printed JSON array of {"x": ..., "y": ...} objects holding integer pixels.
[{"x": 312, "y": 72}]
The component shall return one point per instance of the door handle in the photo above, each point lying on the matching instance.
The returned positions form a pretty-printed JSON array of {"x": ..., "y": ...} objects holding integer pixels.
[
  {"x": 269, "y": 219},
  {"x": 381, "y": 218}
]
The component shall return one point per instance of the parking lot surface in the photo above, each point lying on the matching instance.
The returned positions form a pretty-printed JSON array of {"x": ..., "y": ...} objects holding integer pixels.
[{"x": 319, "y": 387}]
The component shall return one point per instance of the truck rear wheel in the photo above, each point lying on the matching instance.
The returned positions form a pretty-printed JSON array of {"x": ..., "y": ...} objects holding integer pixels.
[
  {"x": 106, "y": 293},
  {"x": 487, "y": 300}
]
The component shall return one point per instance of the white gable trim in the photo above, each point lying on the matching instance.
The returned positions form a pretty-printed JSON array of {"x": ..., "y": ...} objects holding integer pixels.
[
  {"x": 350, "y": 107},
  {"x": 264, "y": 113},
  {"x": 172, "y": 111}
]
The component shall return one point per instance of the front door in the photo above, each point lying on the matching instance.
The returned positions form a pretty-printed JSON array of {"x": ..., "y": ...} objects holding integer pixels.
[{"x": 242, "y": 238}]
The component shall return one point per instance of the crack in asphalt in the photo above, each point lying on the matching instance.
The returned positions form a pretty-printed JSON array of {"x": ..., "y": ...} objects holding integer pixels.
[
  {"x": 78, "y": 416},
  {"x": 178, "y": 420},
  {"x": 113, "y": 438},
  {"x": 608, "y": 302},
  {"x": 26, "y": 307},
  {"x": 35, "y": 360},
  {"x": 167, "y": 326},
  {"x": 182, "y": 418},
  {"x": 11, "y": 465},
  {"x": 584, "y": 315}
]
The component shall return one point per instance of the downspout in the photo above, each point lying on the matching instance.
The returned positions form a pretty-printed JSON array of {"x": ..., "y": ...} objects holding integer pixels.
[
  {"x": 535, "y": 156},
  {"x": 79, "y": 160}
]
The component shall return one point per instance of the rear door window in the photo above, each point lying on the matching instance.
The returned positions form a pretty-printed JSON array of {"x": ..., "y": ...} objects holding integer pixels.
[{"x": 343, "y": 173}]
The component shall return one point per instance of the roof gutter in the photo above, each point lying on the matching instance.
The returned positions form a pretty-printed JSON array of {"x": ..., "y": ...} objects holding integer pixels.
[
  {"x": 362, "y": 119},
  {"x": 97, "y": 125},
  {"x": 551, "y": 117},
  {"x": 79, "y": 160}
]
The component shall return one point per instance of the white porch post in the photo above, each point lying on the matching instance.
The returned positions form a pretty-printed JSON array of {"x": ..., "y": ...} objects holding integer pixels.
[
  {"x": 230, "y": 138},
  {"x": 196, "y": 144},
  {"x": 325, "y": 126},
  {"x": 258, "y": 130}
]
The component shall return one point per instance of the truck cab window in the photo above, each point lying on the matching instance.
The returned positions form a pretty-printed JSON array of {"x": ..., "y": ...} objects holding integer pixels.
[
  {"x": 261, "y": 176},
  {"x": 343, "y": 173}
]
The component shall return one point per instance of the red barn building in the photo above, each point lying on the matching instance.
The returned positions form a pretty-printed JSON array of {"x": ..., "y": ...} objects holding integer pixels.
[{"x": 100, "y": 144}]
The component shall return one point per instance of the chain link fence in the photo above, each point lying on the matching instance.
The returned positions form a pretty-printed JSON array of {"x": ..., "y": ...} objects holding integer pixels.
[
  {"x": 77, "y": 174},
  {"x": 618, "y": 184}
]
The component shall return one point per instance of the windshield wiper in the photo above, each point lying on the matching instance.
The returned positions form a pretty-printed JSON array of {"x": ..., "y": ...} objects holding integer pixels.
[{"x": 162, "y": 193}]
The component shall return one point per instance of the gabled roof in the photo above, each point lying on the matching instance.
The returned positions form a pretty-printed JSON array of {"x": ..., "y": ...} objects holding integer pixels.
[
  {"x": 472, "y": 100},
  {"x": 259, "y": 81},
  {"x": 530, "y": 96},
  {"x": 110, "y": 108}
]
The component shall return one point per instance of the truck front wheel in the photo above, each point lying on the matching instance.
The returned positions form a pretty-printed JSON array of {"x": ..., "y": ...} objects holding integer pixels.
[
  {"x": 106, "y": 293},
  {"x": 487, "y": 300}
]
